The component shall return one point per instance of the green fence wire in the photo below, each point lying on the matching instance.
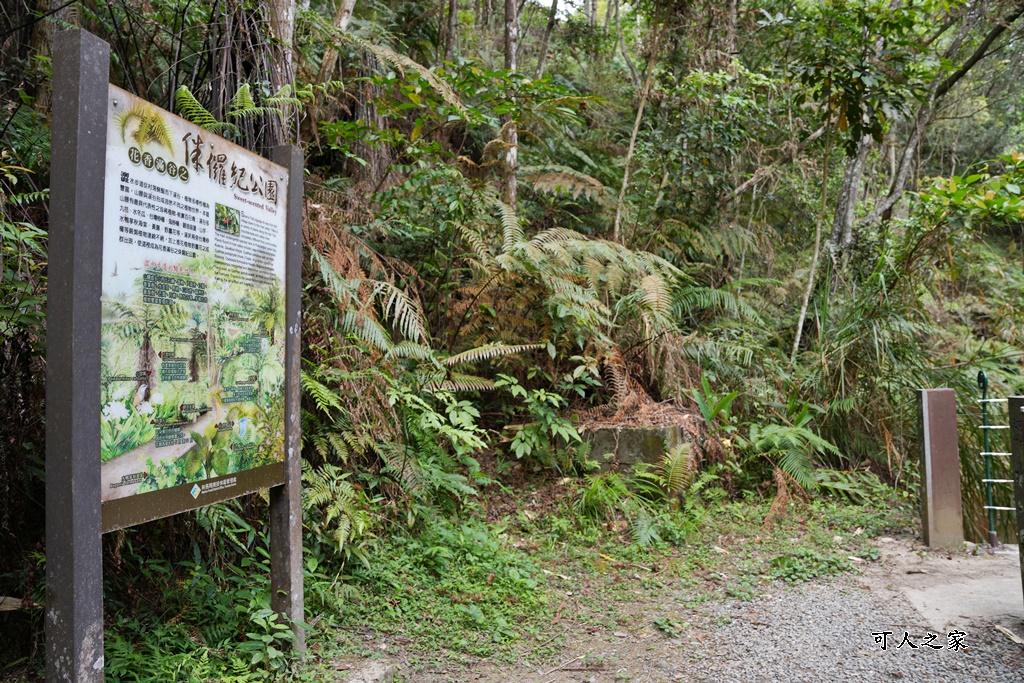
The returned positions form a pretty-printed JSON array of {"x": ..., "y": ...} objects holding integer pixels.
[{"x": 989, "y": 454}]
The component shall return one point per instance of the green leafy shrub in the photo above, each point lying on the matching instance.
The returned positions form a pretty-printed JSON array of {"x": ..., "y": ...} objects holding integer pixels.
[{"x": 804, "y": 564}]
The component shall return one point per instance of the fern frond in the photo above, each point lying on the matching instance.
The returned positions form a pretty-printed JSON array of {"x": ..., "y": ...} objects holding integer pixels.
[
  {"x": 242, "y": 105},
  {"x": 401, "y": 63},
  {"x": 656, "y": 296},
  {"x": 512, "y": 231},
  {"x": 475, "y": 241},
  {"x": 677, "y": 468},
  {"x": 694, "y": 297},
  {"x": 797, "y": 464},
  {"x": 338, "y": 445},
  {"x": 645, "y": 529},
  {"x": 325, "y": 398},
  {"x": 488, "y": 351},
  {"x": 286, "y": 97},
  {"x": 396, "y": 306},
  {"x": 400, "y": 308},
  {"x": 410, "y": 349},
  {"x": 151, "y": 126},
  {"x": 189, "y": 108},
  {"x": 556, "y": 179},
  {"x": 366, "y": 329},
  {"x": 714, "y": 351},
  {"x": 405, "y": 470},
  {"x": 557, "y": 235},
  {"x": 459, "y": 382}
]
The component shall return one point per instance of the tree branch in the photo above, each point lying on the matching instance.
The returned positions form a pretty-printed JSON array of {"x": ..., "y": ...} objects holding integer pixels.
[{"x": 762, "y": 172}]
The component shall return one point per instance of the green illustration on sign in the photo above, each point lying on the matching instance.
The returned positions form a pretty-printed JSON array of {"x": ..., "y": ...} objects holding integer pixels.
[{"x": 193, "y": 333}]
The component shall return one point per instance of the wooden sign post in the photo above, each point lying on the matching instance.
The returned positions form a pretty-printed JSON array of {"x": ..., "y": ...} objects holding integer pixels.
[
  {"x": 1016, "y": 415},
  {"x": 173, "y": 339}
]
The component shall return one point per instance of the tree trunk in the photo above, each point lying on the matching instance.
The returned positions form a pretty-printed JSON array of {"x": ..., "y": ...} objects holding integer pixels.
[
  {"x": 842, "y": 227},
  {"x": 625, "y": 54},
  {"x": 511, "y": 134},
  {"x": 453, "y": 30},
  {"x": 144, "y": 363},
  {"x": 193, "y": 363},
  {"x": 542, "y": 59},
  {"x": 341, "y": 19},
  {"x": 817, "y": 247},
  {"x": 730, "y": 33},
  {"x": 41, "y": 43},
  {"x": 282, "y": 26},
  {"x": 632, "y": 138}
]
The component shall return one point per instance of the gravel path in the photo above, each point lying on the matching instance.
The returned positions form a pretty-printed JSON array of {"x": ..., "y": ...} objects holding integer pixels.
[
  {"x": 823, "y": 632},
  {"x": 820, "y": 631}
]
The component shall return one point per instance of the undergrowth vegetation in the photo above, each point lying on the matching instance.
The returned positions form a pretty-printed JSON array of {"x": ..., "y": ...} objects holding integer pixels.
[{"x": 763, "y": 226}]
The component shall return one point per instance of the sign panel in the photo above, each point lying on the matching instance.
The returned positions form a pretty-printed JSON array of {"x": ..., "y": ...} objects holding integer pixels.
[{"x": 191, "y": 408}]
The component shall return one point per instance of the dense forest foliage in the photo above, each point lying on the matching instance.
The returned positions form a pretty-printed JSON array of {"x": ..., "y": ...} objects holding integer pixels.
[{"x": 781, "y": 217}]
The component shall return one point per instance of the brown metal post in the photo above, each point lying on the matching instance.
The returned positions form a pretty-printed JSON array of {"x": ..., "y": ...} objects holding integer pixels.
[
  {"x": 1016, "y": 413},
  {"x": 286, "y": 500},
  {"x": 941, "y": 508},
  {"x": 74, "y": 558}
]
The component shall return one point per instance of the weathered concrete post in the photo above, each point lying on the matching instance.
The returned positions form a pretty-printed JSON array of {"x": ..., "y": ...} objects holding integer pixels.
[
  {"x": 286, "y": 500},
  {"x": 74, "y": 559},
  {"x": 1016, "y": 411},
  {"x": 941, "y": 508}
]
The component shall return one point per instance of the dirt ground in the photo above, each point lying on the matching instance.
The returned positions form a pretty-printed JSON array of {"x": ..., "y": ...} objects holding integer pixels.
[
  {"x": 946, "y": 588},
  {"x": 909, "y": 589}
]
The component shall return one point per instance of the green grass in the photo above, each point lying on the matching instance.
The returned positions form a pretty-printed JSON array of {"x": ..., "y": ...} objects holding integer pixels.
[
  {"x": 457, "y": 592},
  {"x": 462, "y": 588}
]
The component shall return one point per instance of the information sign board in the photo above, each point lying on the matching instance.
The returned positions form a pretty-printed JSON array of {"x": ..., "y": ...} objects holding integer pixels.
[
  {"x": 172, "y": 340},
  {"x": 192, "y": 373}
]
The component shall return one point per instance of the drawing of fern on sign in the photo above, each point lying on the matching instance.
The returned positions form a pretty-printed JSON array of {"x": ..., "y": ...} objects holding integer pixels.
[{"x": 150, "y": 127}]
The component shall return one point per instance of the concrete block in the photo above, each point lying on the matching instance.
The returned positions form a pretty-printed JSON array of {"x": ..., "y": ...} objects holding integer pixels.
[
  {"x": 941, "y": 508},
  {"x": 630, "y": 445}
]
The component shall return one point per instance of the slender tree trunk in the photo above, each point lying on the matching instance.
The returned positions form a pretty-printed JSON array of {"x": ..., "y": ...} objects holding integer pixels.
[
  {"x": 817, "y": 246},
  {"x": 341, "y": 20},
  {"x": 453, "y": 30},
  {"x": 730, "y": 33},
  {"x": 41, "y": 43},
  {"x": 282, "y": 25},
  {"x": 543, "y": 58},
  {"x": 625, "y": 53},
  {"x": 144, "y": 364},
  {"x": 211, "y": 345},
  {"x": 511, "y": 134},
  {"x": 632, "y": 138},
  {"x": 842, "y": 226},
  {"x": 193, "y": 363},
  {"x": 442, "y": 31},
  {"x": 609, "y": 11}
]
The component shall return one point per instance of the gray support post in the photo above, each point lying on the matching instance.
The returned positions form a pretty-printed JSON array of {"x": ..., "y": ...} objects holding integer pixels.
[
  {"x": 286, "y": 500},
  {"x": 941, "y": 509},
  {"x": 1016, "y": 412},
  {"x": 74, "y": 556}
]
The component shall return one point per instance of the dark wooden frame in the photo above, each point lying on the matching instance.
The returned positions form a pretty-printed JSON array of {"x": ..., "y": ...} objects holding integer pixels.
[{"x": 74, "y": 560}]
